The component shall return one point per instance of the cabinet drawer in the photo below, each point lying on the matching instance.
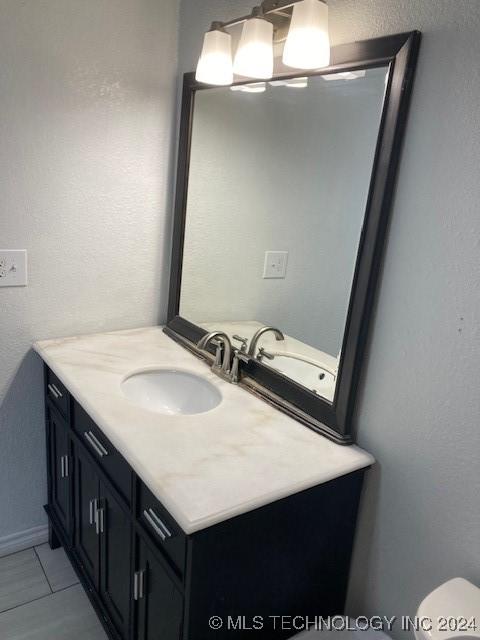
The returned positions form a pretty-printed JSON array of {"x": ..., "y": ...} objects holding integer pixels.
[
  {"x": 108, "y": 458},
  {"x": 161, "y": 528},
  {"x": 58, "y": 394}
]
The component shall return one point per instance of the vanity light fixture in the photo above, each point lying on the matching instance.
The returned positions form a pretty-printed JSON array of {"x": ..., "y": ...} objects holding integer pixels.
[
  {"x": 308, "y": 41},
  {"x": 301, "y": 24},
  {"x": 215, "y": 65},
  {"x": 254, "y": 57}
]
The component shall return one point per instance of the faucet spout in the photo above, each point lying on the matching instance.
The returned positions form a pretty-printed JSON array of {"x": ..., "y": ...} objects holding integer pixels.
[
  {"x": 222, "y": 337},
  {"x": 253, "y": 344}
]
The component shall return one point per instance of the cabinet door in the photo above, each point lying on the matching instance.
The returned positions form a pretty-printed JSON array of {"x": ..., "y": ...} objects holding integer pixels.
[
  {"x": 87, "y": 532},
  {"x": 160, "y": 604},
  {"x": 116, "y": 561},
  {"x": 60, "y": 469}
]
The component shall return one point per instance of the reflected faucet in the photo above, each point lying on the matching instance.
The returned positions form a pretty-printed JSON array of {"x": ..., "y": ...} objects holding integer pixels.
[
  {"x": 217, "y": 338},
  {"x": 253, "y": 344},
  {"x": 264, "y": 354}
]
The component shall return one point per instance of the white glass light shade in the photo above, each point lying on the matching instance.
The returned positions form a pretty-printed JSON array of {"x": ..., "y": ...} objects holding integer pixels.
[
  {"x": 215, "y": 65},
  {"x": 308, "y": 40},
  {"x": 254, "y": 57}
]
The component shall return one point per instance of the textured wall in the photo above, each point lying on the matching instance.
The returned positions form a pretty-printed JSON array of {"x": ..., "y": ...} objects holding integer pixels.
[
  {"x": 291, "y": 171},
  {"x": 419, "y": 402},
  {"x": 86, "y": 98}
]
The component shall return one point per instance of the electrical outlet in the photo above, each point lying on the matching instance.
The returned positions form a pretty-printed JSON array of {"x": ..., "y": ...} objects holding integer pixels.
[
  {"x": 13, "y": 268},
  {"x": 275, "y": 264}
]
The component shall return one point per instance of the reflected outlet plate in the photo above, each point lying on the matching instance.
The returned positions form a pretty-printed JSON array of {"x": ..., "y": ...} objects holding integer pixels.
[
  {"x": 275, "y": 264},
  {"x": 13, "y": 268}
]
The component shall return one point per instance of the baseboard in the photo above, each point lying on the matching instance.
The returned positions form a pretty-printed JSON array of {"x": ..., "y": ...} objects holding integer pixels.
[{"x": 23, "y": 540}]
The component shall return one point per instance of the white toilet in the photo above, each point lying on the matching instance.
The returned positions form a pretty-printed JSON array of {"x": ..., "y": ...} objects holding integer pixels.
[{"x": 451, "y": 612}]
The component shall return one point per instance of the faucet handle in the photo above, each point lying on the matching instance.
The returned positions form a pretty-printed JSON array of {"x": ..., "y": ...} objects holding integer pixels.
[
  {"x": 241, "y": 355},
  {"x": 244, "y": 342},
  {"x": 264, "y": 354}
]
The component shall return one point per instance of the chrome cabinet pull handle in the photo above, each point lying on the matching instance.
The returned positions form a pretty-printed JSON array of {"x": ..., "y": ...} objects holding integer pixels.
[
  {"x": 138, "y": 585},
  {"x": 64, "y": 466},
  {"x": 95, "y": 444},
  {"x": 57, "y": 390},
  {"x": 97, "y": 523},
  {"x": 53, "y": 392},
  {"x": 88, "y": 438},
  {"x": 93, "y": 510},
  {"x": 98, "y": 443},
  {"x": 157, "y": 525},
  {"x": 141, "y": 582},
  {"x": 156, "y": 528},
  {"x": 100, "y": 520},
  {"x": 135, "y": 585},
  {"x": 161, "y": 524}
]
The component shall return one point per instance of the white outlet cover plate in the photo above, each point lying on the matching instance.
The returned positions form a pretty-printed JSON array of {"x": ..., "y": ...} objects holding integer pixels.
[
  {"x": 13, "y": 268},
  {"x": 275, "y": 264}
]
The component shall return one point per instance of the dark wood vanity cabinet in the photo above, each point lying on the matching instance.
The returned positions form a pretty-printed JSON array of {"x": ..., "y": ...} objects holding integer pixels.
[{"x": 148, "y": 580}]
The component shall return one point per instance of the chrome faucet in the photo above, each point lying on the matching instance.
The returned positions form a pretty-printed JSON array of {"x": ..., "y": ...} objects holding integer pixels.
[
  {"x": 222, "y": 367},
  {"x": 218, "y": 338},
  {"x": 253, "y": 344},
  {"x": 221, "y": 341}
]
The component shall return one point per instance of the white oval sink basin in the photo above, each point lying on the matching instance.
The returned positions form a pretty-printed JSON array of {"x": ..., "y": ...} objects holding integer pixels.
[{"x": 171, "y": 392}]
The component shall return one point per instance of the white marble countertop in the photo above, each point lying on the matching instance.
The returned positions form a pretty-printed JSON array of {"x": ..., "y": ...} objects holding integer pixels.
[{"x": 204, "y": 468}]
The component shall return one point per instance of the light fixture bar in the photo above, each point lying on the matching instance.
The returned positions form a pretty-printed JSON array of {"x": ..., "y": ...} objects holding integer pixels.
[{"x": 269, "y": 7}]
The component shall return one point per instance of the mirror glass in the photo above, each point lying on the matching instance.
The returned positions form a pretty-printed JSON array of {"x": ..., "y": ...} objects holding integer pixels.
[{"x": 278, "y": 183}]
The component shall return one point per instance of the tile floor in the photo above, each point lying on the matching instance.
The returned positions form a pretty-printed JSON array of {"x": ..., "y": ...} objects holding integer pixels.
[{"x": 41, "y": 599}]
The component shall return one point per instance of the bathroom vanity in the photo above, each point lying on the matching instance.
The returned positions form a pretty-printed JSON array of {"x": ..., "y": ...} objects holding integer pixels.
[
  {"x": 169, "y": 520},
  {"x": 224, "y": 509}
]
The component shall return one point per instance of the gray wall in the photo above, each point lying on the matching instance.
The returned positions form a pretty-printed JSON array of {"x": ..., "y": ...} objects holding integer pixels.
[
  {"x": 87, "y": 91},
  {"x": 419, "y": 402},
  {"x": 287, "y": 170}
]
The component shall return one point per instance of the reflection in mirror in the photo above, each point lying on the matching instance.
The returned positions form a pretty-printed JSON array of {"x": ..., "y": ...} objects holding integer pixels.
[{"x": 278, "y": 184}]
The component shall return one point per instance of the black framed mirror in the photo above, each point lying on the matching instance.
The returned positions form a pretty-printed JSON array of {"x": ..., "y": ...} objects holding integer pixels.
[{"x": 283, "y": 196}]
